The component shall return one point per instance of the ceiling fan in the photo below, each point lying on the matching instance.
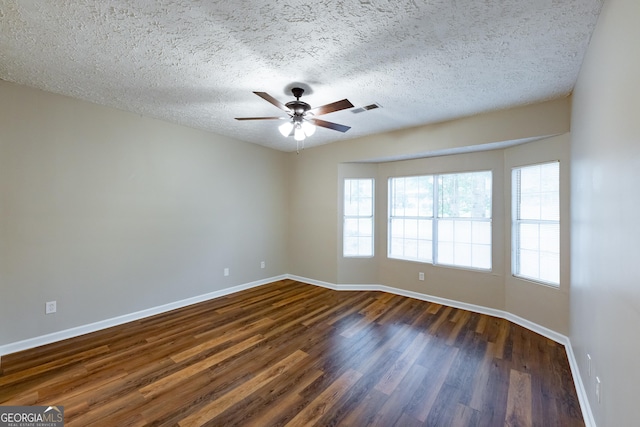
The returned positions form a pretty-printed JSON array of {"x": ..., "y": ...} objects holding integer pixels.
[{"x": 303, "y": 117}]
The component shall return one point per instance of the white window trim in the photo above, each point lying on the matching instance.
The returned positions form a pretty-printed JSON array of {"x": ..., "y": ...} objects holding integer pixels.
[
  {"x": 515, "y": 222},
  {"x": 435, "y": 218},
  {"x": 372, "y": 217},
  {"x": 408, "y": 217}
]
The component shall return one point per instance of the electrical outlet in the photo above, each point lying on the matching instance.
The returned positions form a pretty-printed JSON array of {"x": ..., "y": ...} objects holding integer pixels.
[
  {"x": 420, "y": 276},
  {"x": 226, "y": 271},
  {"x": 50, "y": 307},
  {"x": 588, "y": 364},
  {"x": 263, "y": 264},
  {"x": 598, "y": 390}
]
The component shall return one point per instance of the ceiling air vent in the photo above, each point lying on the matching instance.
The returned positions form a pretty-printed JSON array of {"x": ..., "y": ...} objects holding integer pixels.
[{"x": 366, "y": 108}]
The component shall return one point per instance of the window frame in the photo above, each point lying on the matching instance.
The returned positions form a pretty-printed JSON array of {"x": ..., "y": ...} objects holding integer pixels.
[
  {"x": 436, "y": 218},
  {"x": 346, "y": 217},
  {"x": 516, "y": 222},
  {"x": 460, "y": 219},
  {"x": 417, "y": 218}
]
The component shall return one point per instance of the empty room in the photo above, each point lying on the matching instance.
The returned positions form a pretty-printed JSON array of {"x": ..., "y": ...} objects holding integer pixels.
[{"x": 309, "y": 214}]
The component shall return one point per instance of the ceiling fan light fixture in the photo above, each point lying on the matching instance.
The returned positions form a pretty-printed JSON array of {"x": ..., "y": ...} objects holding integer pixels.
[
  {"x": 286, "y": 128},
  {"x": 308, "y": 128},
  {"x": 298, "y": 133}
]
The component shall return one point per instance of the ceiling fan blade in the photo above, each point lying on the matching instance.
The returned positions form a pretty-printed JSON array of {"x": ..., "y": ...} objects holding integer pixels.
[
  {"x": 330, "y": 108},
  {"x": 272, "y": 100},
  {"x": 330, "y": 125},
  {"x": 261, "y": 118}
]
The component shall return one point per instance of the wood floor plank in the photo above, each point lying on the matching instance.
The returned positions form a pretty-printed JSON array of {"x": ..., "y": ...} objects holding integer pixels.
[
  {"x": 314, "y": 410},
  {"x": 184, "y": 374},
  {"x": 519, "y": 400},
  {"x": 35, "y": 371},
  {"x": 438, "y": 367},
  {"x": 396, "y": 406},
  {"x": 278, "y": 401},
  {"x": 396, "y": 374},
  {"x": 120, "y": 411},
  {"x": 288, "y": 353},
  {"x": 480, "y": 382},
  {"x": 464, "y": 416},
  {"x": 240, "y": 333},
  {"x": 224, "y": 402}
]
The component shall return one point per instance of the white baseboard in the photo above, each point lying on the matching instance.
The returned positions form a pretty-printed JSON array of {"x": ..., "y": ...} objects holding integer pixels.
[
  {"x": 103, "y": 324},
  {"x": 119, "y": 320},
  {"x": 587, "y": 414}
]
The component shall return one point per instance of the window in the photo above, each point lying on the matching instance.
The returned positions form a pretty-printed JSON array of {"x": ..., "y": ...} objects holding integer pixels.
[
  {"x": 441, "y": 219},
  {"x": 464, "y": 219},
  {"x": 358, "y": 218},
  {"x": 411, "y": 218},
  {"x": 536, "y": 223}
]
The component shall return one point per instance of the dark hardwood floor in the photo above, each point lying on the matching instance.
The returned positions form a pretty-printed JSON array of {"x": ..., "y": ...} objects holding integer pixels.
[{"x": 294, "y": 354}]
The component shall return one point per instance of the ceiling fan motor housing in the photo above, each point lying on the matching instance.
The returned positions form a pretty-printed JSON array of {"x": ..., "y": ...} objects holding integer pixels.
[{"x": 299, "y": 108}]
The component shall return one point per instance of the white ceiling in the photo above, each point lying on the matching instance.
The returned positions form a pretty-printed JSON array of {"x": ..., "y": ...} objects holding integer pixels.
[{"x": 198, "y": 62}]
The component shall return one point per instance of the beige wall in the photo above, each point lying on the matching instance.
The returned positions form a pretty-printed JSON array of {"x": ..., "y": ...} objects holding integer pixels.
[
  {"x": 109, "y": 213},
  {"x": 605, "y": 294}
]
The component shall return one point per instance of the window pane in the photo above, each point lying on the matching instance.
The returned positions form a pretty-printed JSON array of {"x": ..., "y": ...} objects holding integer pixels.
[
  {"x": 550, "y": 267},
  {"x": 410, "y": 248},
  {"x": 350, "y": 246},
  {"x": 411, "y": 228},
  {"x": 412, "y": 196},
  {"x": 445, "y": 230},
  {"x": 481, "y": 232},
  {"x": 481, "y": 256},
  {"x": 445, "y": 252},
  {"x": 462, "y": 254},
  {"x": 365, "y": 246},
  {"x": 425, "y": 250},
  {"x": 529, "y": 236},
  {"x": 530, "y": 206},
  {"x": 350, "y": 198},
  {"x": 396, "y": 191},
  {"x": 464, "y": 243},
  {"x": 396, "y": 249},
  {"x": 550, "y": 206},
  {"x": 411, "y": 239},
  {"x": 350, "y": 227},
  {"x": 465, "y": 195},
  {"x": 397, "y": 228},
  {"x": 462, "y": 231},
  {"x": 425, "y": 229},
  {"x": 529, "y": 263},
  {"x": 550, "y": 238}
]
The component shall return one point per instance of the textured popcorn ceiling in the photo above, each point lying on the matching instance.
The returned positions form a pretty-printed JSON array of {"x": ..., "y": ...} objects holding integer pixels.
[{"x": 197, "y": 62}]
